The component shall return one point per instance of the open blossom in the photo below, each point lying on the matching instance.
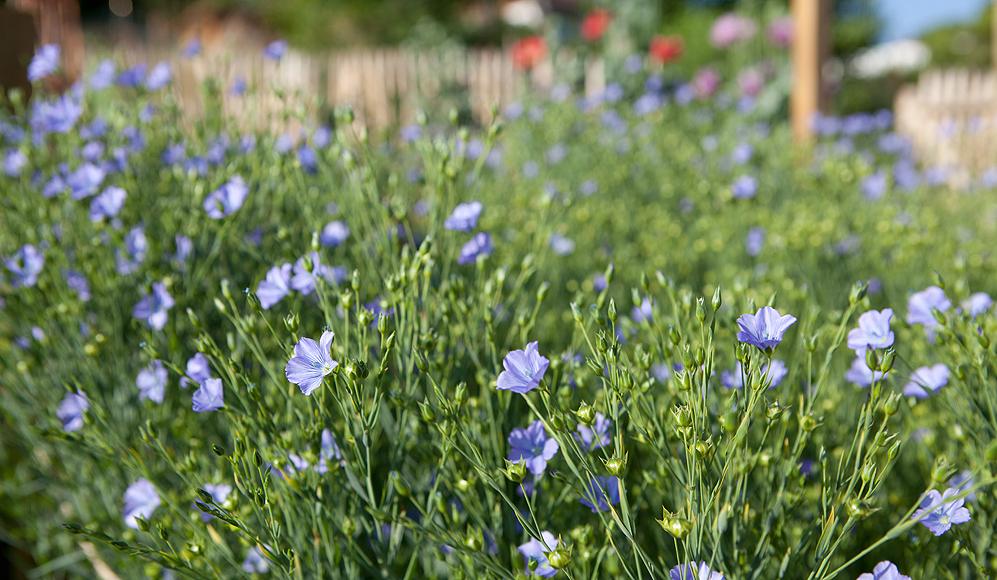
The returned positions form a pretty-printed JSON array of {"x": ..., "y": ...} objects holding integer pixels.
[
  {"x": 532, "y": 446},
  {"x": 665, "y": 49},
  {"x": 596, "y": 436},
  {"x": 602, "y": 492},
  {"x": 159, "y": 77},
  {"x": 57, "y": 115},
  {"x": 464, "y": 217},
  {"x": 561, "y": 245},
  {"x": 744, "y": 187},
  {"x": 694, "y": 571},
  {"x": 275, "y": 50},
  {"x": 71, "y": 411},
  {"x": 275, "y": 287},
  {"x": 328, "y": 452},
  {"x": 774, "y": 373},
  {"x": 731, "y": 29},
  {"x": 480, "y": 246},
  {"x": 151, "y": 382},
  {"x": 780, "y": 32},
  {"x": 210, "y": 396},
  {"x": 307, "y": 271},
  {"x": 141, "y": 500},
  {"x": 885, "y": 570},
  {"x": 765, "y": 328},
  {"x": 977, "y": 304},
  {"x": 926, "y": 381},
  {"x": 153, "y": 308},
  {"x": 25, "y": 266},
  {"x": 524, "y": 369},
  {"x": 528, "y": 52},
  {"x": 861, "y": 375},
  {"x": 873, "y": 332},
  {"x": 334, "y": 233},
  {"x": 78, "y": 283},
  {"x": 227, "y": 199},
  {"x": 706, "y": 82},
  {"x": 938, "y": 512},
  {"x": 198, "y": 370},
  {"x": 14, "y": 163},
  {"x": 920, "y": 306},
  {"x": 107, "y": 204},
  {"x": 595, "y": 24},
  {"x": 536, "y": 551},
  {"x": 312, "y": 362},
  {"x": 45, "y": 62}
]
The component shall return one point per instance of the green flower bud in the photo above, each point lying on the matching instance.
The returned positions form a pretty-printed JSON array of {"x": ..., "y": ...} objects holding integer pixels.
[
  {"x": 559, "y": 558},
  {"x": 886, "y": 365},
  {"x": 717, "y": 301},
  {"x": 611, "y": 311},
  {"x": 515, "y": 471},
  {"x": 858, "y": 292},
  {"x": 616, "y": 465},
  {"x": 585, "y": 414},
  {"x": 700, "y": 311}
]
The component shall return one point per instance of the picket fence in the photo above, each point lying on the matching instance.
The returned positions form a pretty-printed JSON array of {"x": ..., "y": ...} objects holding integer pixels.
[
  {"x": 950, "y": 117},
  {"x": 384, "y": 87}
]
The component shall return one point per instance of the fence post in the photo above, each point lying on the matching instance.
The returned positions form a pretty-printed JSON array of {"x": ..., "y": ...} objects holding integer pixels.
[{"x": 811, "y": 35}]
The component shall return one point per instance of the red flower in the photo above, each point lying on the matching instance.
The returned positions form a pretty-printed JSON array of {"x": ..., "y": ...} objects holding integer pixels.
[
  {"x": 595, "y": 24},
  {"x": 665, "y": 49},
  {"x": 529, "y": 51}
]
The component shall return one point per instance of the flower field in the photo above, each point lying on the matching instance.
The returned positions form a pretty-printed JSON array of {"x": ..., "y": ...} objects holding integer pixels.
[{"x": 644, "y": 335}]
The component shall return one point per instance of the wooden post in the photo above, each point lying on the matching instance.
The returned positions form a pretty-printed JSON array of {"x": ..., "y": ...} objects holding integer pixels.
[
  {"x": 993, "y": 35},
  {"x": 17, "y": 45},
  {"x": 811, "y": 43}
]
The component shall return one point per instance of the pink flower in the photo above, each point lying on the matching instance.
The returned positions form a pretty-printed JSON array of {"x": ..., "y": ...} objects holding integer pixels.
[{"x": 731, "y": 29}]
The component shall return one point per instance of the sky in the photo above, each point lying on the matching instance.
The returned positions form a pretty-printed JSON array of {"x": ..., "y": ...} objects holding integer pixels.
[{"x": 910, "y": 18}]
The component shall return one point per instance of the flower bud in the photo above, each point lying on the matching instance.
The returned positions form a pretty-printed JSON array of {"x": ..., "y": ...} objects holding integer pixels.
[
  {"x": 886, "y": 365},
  {"x": 717, "y": 301},
  {"x": 616, "y": 465},
  {"x": 858, "y": 292},
  {"x": 559, "y": 558},
  {"x": 515, "y": 471},
  {"x": 683, "y": 416},
  {"x": 892, "y": 404},
  {"x": 585, "y": 414},
  {"x": 700, "y": 311},
  {"x": 611, "y": 311}
]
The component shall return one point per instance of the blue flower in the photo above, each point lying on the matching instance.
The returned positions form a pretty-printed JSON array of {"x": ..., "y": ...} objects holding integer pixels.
[
  {"x": 77, "y": 282},
  {"x": 334, "y": 233},
  {"x": 71, "y": 411},
  {"x": 136, "y": 246},
  {"x": 275, "y": 50},
  {"x": 308, "y": 159},
  {"x": 307, "y": 271},
  {"x": 596, "y": 436},
  {"x": 14, "y": 163},
  {"x": 227, "y": 199},
  {"x": 774, "y": 373},
  {"x": 939, "y": 513},
  {"x": 103, "y": 75},
  {"x": 873, "y": 331},
  {"x": 926, "y": 381},
  {"x": 275, "y": 287},
  {"x": 694, "y": 571},
  {"x": 885, "y": 570},
  {"x": 765, "y": 328},
  {"x": 532, "y": 446},
  {"x": 977, "y": 304},
  {"x": 198, "y": 370},
  {"x": 151, "y": 382},
  {"x": 159, "y": 77},
  {"x": 58, "y": 115},
  {"x": 604, "y": 490},
  {"x": 25, "y": 265},
  {"x": 536, "y": 551},
  {"x": 45, "y": 62},
  {"x": 238, "y": 87},
  {"x": 141, "y": 500},
  {"x": 464, "y": 217},
  {"x": 642, "y": 312},
  {"x": 184, "y": 247},
  {"x": 312, "y": 362},
  {"x": 85, "y": 180},
  {"x": 755, "y": 241},
  {"x": 874, "y": 186},
  {"x": 132, "y": 77},
  {"x": 561, "y": 245},
  {"x": 107, "y": 204},
  {"x": 963, "y": 481},
  {"x": 255, "y": 563},
  {"x": 861, "y": 375},
  {"x": 210, "y": 396},
  {"x": 329, "y": 451},
  {"x": 480, "y": 246},
  {"x": 153, "y": 308},
  {"x": 744, "y": 187},
  {"x": 921, "y": 306},
  {"x": 524, "y": 369},
  {"x": 192, "y": 49}
]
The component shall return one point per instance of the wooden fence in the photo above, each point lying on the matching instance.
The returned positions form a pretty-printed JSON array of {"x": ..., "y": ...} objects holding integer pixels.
[
  {"x": 950, "y": 116},
  {"x": 384, "y": 87}
]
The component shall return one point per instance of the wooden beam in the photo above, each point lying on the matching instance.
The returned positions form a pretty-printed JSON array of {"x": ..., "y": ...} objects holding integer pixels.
[{"x": 811, "y": 46}]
